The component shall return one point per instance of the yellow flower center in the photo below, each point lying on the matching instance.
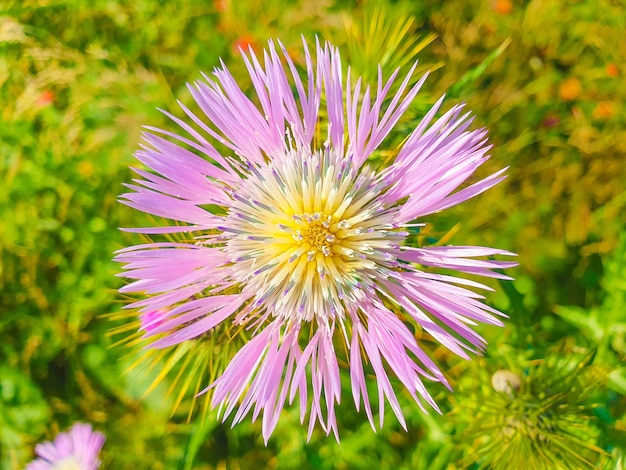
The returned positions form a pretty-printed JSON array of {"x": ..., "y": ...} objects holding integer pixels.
[
  {"x": 310, "y": 235},
  {"x": 314, "y": 232}
]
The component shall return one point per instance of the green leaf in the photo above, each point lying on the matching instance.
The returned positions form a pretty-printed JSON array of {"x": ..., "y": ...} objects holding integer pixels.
[
  {"x": 202, "y": 429},
  {"x": 617, "y": 380},
  {"x": 584, "y": 320},
  {"x": 472, "y": 75}
]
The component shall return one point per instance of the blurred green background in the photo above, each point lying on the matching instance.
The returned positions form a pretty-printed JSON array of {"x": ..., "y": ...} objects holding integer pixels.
[{"x": 79, "y": 78}]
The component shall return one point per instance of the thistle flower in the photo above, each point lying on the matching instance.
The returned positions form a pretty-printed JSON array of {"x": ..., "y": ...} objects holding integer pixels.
[
  {"x": 542, "y": 418},
  {"x": 304, "y": 243},
  {"x": 76, "y": 449}
]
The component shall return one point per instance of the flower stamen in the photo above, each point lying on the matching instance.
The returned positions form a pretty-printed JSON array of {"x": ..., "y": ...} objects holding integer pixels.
[{"x": 326, "y": 220}]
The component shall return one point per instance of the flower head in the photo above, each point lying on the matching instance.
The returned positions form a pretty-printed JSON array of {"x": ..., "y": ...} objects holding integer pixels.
[
  {"x": 301, "y": 240},
  {"x": 76, "y": 449},
  {"x": 543, "y": 417}
]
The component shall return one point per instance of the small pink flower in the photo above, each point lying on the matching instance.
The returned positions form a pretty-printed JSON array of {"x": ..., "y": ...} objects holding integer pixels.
[
  {"x": 76, "y": 449},
  {"x": 311, "y": 248}
]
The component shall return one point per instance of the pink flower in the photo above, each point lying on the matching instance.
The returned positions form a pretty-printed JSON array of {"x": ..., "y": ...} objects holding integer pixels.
[
  {"x": 310, "y": 247},
  {"x": 76, "y": 449}
]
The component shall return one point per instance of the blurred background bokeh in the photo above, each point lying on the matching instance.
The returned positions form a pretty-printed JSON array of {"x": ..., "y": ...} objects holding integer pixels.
[{"x": 79, "y": 78}]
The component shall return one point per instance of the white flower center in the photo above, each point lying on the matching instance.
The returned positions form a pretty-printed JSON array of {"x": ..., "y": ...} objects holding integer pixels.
[
  {"x": 68, "y": 463},
  {"x": 310, "y": 234}
]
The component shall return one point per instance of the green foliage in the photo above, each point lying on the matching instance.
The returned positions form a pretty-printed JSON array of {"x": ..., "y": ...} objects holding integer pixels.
[
  {"x": 604, "y": 325},
  {"x": 23, "y": 412},
  {"x": 78, "y": 79},
  {"x": 384, "y": 37}
]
